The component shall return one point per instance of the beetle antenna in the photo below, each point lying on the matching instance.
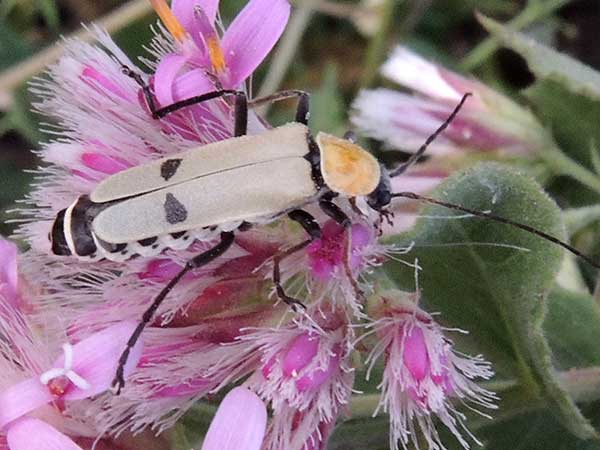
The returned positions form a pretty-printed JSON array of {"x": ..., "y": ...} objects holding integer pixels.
[
  {"x": 474, "y": 212},
  {"x": 415, "y": 156}
]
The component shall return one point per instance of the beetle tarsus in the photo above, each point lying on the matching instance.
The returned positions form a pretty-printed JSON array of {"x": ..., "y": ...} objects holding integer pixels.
[{"x": 294, "y": 303}]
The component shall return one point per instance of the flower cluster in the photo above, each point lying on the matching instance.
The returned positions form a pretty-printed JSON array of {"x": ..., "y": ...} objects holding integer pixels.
[{"x": 220, "y": 324}]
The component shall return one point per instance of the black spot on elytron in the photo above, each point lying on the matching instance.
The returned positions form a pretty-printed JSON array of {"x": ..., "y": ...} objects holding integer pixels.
[
  {"x": 175, "y": 212},
  {"x": 178, "y": 234},
  {"x": 169, "y": 167}
]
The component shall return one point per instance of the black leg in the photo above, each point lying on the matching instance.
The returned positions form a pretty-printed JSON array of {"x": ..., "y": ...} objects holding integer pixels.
[
  {"x": 302, "y": 110},
  {"x": 240, "y": 108},
  {"x": 198, "y": 261},
  {"x": 313, "y": 229},
  {"x": 334, "y": 211}
]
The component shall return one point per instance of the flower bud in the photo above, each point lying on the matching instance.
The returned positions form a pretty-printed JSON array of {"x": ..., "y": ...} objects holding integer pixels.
[
  {"x": 423, "y": 374},
  {"x": 488, "y": 121}
]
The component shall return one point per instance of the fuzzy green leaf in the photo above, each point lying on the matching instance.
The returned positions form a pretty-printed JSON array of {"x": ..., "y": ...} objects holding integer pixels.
[
  {"x": 573, "y": 119},
  {"x": 572, "y": 327},
  {"x": 491, "y": 278},
  {"x": 547, "y": 63}
]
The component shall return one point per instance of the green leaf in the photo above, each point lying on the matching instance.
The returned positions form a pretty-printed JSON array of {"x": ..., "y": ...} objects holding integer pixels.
[
  {"x": 491, "y": 278},
  {"x": 534, "y": 430},
  {"x": 573, "y": 118},
  {"x": 572, "y": 327},
  {"x": 547, "y": 63},
  {"x": 564, "y": 406}
]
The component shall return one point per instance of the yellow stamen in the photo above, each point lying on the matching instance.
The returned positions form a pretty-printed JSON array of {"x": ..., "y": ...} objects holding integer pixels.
[
  {"x": 215, "y": 51},
  {"x": 169, "y": 20}
]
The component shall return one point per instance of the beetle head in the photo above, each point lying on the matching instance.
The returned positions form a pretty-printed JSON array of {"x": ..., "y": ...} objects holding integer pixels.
[{"x": 382, "y": 195}]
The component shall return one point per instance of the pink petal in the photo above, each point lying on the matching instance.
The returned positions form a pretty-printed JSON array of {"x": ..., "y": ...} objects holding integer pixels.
[
  {"x": 252, "y": 35},
  {"x": 8, "y": 272},
  {"x": 166, "y": 72},
  {"x": 91, "y": 75},
  {"x": 105, "y": 164},
  {"x": 239, "y": 424},
  {"x": 315, "y": 379},
  {"x": 184, "y": 10},
  {"x": 95, "y": 359},
  {"x": 191, "y": 83},
  {"x": 302, "y": 350},
  {"x": 35, "y": 434},
  {"x": 188, "y": 389},
  {"x": 415, "y": 356},
  {"x": 22, "y": 398}
]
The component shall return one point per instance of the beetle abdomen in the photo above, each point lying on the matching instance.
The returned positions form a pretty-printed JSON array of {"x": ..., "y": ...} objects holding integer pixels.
[{"x": 72, "y": 235}]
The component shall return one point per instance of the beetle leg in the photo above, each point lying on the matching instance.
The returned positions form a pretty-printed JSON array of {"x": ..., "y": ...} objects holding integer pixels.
[
  {"x": 334, "y": 211},
  {"x": 302, "y": 109},
  {"x": 240, "y": 111},
  {"x": 311, "y": 226},
  {"x": 197, "y": 261}
]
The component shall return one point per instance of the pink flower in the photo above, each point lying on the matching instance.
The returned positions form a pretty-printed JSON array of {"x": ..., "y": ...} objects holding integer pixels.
[
  {"x": 423, "y": 374},
  {"x": 489, "y": 121},
  {"x": 201, "y": 58},
  {"x": 84, "y": 370},
  {"x": 306, "y": 377},
  {"x": 239, "y": 423}
]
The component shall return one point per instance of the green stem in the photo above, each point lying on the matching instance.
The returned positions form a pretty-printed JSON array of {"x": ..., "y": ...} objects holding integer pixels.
[
  {"x": 378, "y": 46},
  {"x": 564, "y": 165},
  {"x": 534, "y": 11}
]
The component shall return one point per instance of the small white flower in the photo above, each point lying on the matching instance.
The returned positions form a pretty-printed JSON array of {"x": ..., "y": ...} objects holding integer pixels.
[{"x": 66, "y": 371}]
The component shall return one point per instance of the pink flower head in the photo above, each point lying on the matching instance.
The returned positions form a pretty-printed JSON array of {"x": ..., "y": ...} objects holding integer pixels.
[
  {"x": 202, "y": 57},
  {"x": 488, "y": 121},
  {"x": 239, "y": 424},
  {"x": 84, "y": 370},
  {"x": 306, "y": 378},
  {"x": 423, "y": 374}
]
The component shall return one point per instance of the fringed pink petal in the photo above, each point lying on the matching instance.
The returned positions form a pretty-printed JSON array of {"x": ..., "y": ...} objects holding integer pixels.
[
  {"x": 184, "y": 10},
  {"x": 8, "y": 272},
  {"x": 239, "y": 424},
  {"x": 252, "y": 35},
  {"x": 95, "y": 359},
  {"x": 166, "y": 72},
  {"x": 35, "y": 434},
  {"x": 301, "y": 352},
  {"x": 22, "y": 398}
]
